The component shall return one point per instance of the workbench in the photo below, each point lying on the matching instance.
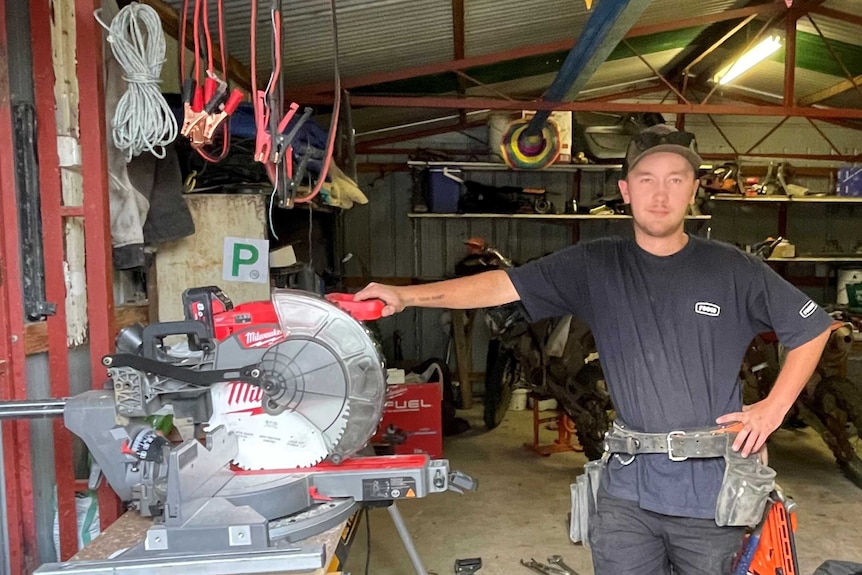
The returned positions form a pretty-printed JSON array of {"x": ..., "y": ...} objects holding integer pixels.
[{"x": 130, "y": 528}]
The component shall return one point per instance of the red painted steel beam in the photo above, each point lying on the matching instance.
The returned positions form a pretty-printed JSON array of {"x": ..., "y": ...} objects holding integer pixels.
[
  {"x": 824, "y": 157},
  {"x": 51, "y": 195},
  {"x": 97, "y": 232},
  {"x": 94, "y": 168},
  {"x": 301, "y": 92},
  {"x": 615, "y": 107},
  {"x": 458, "y": 30},
  {"x": 634, "y": 93},
  {"x": 790, "y": 61},
  {"x": 17, "y": 465},
  {"x": 839, "y": 15}
]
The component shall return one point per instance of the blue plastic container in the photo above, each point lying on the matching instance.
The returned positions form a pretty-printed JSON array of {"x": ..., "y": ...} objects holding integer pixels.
[{"x": 443, "y": 190}]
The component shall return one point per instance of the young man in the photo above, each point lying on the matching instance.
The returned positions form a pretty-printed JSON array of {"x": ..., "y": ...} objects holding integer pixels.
[{"x": 672, "y": 315}]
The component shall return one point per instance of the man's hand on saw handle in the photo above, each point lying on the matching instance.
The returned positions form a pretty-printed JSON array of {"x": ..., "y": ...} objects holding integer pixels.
[
  {"x": 389, "y": 294},
  {"x": 487, "y": 289}
]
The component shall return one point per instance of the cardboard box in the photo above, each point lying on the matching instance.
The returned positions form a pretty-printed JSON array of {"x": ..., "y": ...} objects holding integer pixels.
[{"x": 412, "y": 421}]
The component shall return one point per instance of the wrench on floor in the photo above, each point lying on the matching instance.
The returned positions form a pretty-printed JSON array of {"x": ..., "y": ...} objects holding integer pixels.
[
  {"x": 534, "y": 565},
  {"x": 557, "y": 561}
]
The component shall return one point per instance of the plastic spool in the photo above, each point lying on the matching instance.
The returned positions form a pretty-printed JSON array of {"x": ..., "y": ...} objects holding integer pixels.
[
  {"x": 845, "y": 278},
  {"x": 519, "y": 400},
  {"x": 530, "y": 152}
]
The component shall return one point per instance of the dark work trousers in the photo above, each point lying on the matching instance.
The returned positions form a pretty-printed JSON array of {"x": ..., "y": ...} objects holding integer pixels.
[{"x": 628, "y": 540}]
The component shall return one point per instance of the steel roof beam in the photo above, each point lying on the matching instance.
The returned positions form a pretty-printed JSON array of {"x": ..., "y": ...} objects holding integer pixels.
[
  {"x": 790, "y": 61},
  {"x": 597, "y": 106},
  {"x": 838, "y": 15}
]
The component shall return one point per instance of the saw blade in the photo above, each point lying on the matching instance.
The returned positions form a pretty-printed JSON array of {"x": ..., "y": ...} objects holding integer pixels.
[
  {"x": 266, "y": 441},
  {"x": 321, "y": 390}
]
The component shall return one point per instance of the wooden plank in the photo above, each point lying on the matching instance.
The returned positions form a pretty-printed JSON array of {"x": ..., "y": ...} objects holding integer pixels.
[
  {"x": 831, "y": 91},
  {"x": 197, "y": 260},
  {"x": 462, "y": 325},
  {"x": 131, "y": 529},
  {"x": 36, "y": 334}
]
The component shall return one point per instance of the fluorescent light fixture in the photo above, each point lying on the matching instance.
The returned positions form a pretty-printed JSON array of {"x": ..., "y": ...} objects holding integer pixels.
[{"x": 760, "y": 52}]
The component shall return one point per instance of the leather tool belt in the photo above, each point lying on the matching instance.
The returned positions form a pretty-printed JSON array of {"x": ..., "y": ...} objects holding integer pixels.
[
  {"x": 679, "y": 445},
  {"x": 747, "y": 482}
]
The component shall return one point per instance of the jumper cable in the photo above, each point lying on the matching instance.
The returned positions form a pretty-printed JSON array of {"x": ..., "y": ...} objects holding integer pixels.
[
  {"x": 206, "y": 107},
  {"x": 273, "y": 147}
]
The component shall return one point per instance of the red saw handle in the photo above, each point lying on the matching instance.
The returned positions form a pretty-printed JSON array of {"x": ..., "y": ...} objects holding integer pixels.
[{"x": 366, "y": 310}]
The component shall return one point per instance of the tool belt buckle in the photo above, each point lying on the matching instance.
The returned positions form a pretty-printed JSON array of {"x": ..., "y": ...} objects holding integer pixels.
[{"x": 670, "y": 436}]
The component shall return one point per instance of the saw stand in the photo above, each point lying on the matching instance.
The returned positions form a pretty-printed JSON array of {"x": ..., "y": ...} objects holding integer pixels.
[{"x": 565, "y": 441}]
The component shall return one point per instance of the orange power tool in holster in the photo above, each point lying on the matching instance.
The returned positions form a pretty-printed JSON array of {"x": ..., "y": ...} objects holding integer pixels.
[{"x": 770, "y": 548}]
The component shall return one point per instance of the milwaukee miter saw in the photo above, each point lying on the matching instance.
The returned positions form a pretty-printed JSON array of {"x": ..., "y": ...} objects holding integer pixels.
[{"x": 270, "y": 404}]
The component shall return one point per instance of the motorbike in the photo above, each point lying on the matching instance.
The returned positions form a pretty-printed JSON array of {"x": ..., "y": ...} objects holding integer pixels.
[
  {"x": 548, "y": 357},
  {"x": 830, "y": 403}
]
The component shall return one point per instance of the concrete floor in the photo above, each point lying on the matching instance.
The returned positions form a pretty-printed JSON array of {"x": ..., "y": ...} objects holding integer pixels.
[{"x": 520, "y": 509}]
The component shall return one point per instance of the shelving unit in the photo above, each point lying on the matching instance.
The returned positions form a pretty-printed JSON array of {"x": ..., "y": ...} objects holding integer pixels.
[
  {"x": 549, "y": 217},
  {"x": 820, "y": 259},
  {"x": 787, "y": 199},
  {"x": 498, "y": 167}
]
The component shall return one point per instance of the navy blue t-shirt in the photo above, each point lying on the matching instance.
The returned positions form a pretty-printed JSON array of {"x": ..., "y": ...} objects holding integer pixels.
[{"x": 671, "y": 333}]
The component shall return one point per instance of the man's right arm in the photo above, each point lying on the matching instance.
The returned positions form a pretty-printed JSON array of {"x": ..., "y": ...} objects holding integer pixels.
[{"x": 487, "y": 289}]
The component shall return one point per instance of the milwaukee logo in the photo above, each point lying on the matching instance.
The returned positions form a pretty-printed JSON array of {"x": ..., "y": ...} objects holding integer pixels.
[
  {"x": 244, "y": 398},
  {"x": 808, "y": 309},
  {"x": 706, "y": 308},
  {"x": 243, "y": 393},
  {"x": 258, "y": 338},
  {"x": 407, "y": 404}
]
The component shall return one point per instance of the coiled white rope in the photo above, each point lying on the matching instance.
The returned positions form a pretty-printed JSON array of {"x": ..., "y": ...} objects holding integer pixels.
[{"x": 143, "y": 120}]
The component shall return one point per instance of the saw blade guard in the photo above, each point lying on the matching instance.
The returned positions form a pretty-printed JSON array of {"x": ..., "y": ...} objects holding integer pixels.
[{"x": 355, "y": 370}]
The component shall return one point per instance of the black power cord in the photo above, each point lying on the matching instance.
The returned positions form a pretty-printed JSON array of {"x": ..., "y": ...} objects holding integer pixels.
[{"x": 367, "y": 540}]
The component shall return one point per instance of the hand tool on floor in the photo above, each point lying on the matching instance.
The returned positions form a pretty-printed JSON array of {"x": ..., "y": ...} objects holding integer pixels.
[
  {"x": 467, "y": 566},
  {"x": 270, "y": 403},
  {"x": 557, "y": 561},
  {"x": 538, "y": 567}
]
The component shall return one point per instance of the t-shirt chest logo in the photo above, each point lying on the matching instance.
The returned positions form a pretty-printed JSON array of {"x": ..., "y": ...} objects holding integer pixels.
[{"x": 706, "y": 308}]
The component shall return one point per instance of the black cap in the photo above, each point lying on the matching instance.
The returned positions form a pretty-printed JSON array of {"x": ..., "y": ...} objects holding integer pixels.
[{"x": 662, "y": 138}]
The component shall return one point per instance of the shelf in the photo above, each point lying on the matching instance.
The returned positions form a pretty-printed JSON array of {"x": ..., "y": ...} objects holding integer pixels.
[
  {"x": 787, "y": 199},
  {"x": 819, "y": 259},
  {"x": 497, "y": 167},
  {"x": 550, "y": 217}
]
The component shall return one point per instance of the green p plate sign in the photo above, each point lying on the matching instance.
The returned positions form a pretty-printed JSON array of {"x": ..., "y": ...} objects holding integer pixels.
[{"x": 246, "y": 260}]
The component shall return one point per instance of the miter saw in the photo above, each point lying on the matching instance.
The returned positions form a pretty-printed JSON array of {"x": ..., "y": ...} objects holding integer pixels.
[{"x": 270, "y": 403}]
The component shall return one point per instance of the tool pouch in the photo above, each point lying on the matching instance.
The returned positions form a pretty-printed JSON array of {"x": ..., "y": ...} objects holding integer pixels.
[
  {"x": 744, "y": 490},
  {"x": 584, "y": 492}
]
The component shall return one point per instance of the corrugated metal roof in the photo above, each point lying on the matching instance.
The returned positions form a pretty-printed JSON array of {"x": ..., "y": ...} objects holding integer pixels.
[
  {"x": 768, "y": 77},
  {"x": 386, "y": 35},
  {"x": 669, "y": 10},
  {"x": 374, "y": 35},
  {"x": 833, "y": 29},
  {"x": 630, "y": 69},
  {"x": 497, "y": 25},
  {"x": 849, "y": 6},
  {"x": 377, "y": 35}
]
